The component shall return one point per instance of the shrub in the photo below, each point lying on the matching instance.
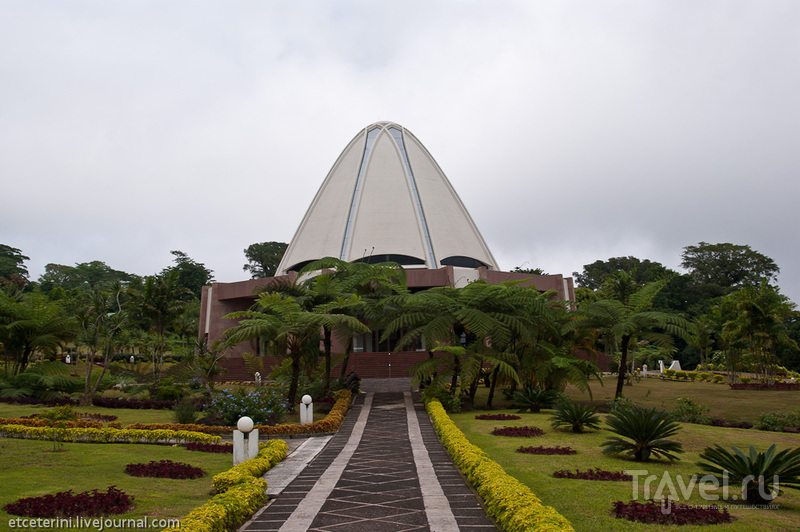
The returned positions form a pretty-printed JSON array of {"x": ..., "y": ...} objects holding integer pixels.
[
  {"x": 688, "y": 411},
  {"x": 547, "y": 450},
  {"x": 264, "y": 405},
  {"x": 680, "y": 374},
  {"x": 778, "y": 421},
  {"x": 497, "y": 417},
  {"x": 575, "y": 416},
  {"x": 164, "y": 469},
  {"x": 66, "y": 504},
  {"x": 534, "y": 399},
  {"x": 518, "y": 432},
  {"x": 594, "y": 474},
  {"x": 641, "y": 433},
  {"x": 754, "y": 471},
  {"x": 705, "y": 376},
  {"x": 620, "y": 403},
  {"x": 185, "y": 412},
  {"x": 679, "y": 514},
  {"x": 692, "y": 375},
  {"x": 450, "y": 403},
  {"x": 745, "y": 380},
  {"x": 719, "y": 379},
  {"x": 508, "y": 501},
  {"x": 61, "y": 413}
]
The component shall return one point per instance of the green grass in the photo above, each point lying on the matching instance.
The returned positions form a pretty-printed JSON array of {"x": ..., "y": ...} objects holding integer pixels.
[
  {"x": 126, "y": 416},
  {"x": 587, "y": 504},
  {"x": 723, "y": 402},
  {"x": 31, "y": 468}
]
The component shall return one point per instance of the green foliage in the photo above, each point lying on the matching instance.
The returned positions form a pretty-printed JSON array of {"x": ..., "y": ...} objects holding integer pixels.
[
  {"x": 642, "y": 433},
  {"x": 621, "y": 403},
  {"x": 61, "y": 413},
  {"x": 727, "y": 265},
  {"x": 718, "y": 378},
  {"x": 82, "y": 277},
  {"x": 185, "y": 412},
  {"x": 642, "y": 271},
  {"x": 450, "y": 403},
  {"x": 574, "y": 415},
  {"x": 680, "y": 374},
  {"x": 745, "y": 380},
  {"x": 778, "y": 421},
  {"x": 263, "y": 258},
  {"x": 534, "y": 399},
  {"x": 192, "y": 276},
  {"x": 688, "y": 411},
  {"x": 264, "y": 405},
  {"x": 757, "y": 472},
  {"x": 12, "y": 266}
]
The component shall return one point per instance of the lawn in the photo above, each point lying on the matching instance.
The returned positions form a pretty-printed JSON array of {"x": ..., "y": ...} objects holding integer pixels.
[
  {"x": 31, "y": 468},
  {"x": 587, "y": 504}
]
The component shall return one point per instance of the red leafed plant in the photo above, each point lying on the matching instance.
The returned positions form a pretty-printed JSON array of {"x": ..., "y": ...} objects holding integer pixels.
[
  {"x": 498, "y": 417},
  {"x": 66, "y": 504},
  {"x": 210, "y": 447},
  {"x": 667, "y": 512},
  {"x": 520, "y": 432},
  {"x": 594, "y": 474},
  {"x": 547, "y": 450},
  {"x": 164, "y": 469}
]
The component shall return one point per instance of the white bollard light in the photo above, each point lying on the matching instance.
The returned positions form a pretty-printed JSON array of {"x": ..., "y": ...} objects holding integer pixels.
[
  {"x": 306, "y": 410},
  {"x": 245, "y": 441}
]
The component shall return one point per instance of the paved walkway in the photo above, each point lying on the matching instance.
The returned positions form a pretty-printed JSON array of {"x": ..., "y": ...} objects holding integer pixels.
[{"x": 385, "y": 470}]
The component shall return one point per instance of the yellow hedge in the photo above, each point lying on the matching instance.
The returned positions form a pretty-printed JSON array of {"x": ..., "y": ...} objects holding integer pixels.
[
  {"x": 507, "y": 500},
  {"x": 92, "y": 435}
]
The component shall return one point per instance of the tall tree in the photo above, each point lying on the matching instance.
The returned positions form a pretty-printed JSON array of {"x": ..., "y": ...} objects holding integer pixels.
[
  {"x": 631, "y": 317},
  {"x": 263, "y": 258},
  {"x": 83, "y": 276},
  {"x": 192, "y": 275},
  {"x": 727, "y": 266},
  {"x": 12, "y": 266},
  {"x": 642, "y": 271},
  {"x": 287, "y": 326}
]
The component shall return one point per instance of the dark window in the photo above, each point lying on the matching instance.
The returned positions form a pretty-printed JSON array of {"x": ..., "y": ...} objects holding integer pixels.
[{"x": 462, "y": 262}]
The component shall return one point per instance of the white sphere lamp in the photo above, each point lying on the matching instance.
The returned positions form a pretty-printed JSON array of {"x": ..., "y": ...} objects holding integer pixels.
[
  {"x": 306, "y": 399},
  {"x": 245, "y": 424}
]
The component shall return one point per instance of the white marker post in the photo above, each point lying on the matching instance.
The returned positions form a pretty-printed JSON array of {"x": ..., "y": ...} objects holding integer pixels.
[
  {"x": 245, "y": 441},
  {"x": 306, "y": 410}
]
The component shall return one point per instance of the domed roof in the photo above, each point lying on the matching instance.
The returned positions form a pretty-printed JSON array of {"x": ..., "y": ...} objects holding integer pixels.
[{"x": 386, "y": 199}]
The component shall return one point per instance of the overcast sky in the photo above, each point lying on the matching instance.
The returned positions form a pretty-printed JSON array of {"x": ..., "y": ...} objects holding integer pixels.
[{"x": 572, "y": 130}]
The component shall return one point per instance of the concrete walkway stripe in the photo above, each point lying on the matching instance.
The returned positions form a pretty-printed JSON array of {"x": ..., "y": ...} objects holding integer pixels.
[
  {"x": 286, "y": 471},
  {"x": 437, "y": 507},
  {"x": 307, "y": 510}
]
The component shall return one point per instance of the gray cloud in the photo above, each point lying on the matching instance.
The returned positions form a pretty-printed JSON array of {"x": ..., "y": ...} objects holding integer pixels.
[{"x": 573, "y": 131}]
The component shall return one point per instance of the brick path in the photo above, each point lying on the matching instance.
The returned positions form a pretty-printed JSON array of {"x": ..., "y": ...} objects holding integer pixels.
[{"x": 385, "y": 470}]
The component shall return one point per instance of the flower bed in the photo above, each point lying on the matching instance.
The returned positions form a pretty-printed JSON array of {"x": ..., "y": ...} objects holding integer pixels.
[
  {"x": 210, "y": 447},
  {"x": 594, "y": 474},
  {"x": 329, "y": 423},
  {"x": 164, "y": 469},
  {"x": 765, "y": 386},
  {"x": 547, "y": 450},
  {"x": 498, "y": 417},
  {"x": 669, "y": 513},
  {"x": 123, "y": 402},
  {"x": 508, "y": 501},
  {"x": 66, "y": 504},
  {"x": 43, "y": 422},
  {"x": 518, "y": 432}
]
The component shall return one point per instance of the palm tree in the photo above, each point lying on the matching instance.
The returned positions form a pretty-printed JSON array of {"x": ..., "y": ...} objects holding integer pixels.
[
  {"x": 159, "y": 304},
  {"x": 288, "y": 326},
  {"x": 755, "y": 321},
  {"x": 622, "y": 320}
]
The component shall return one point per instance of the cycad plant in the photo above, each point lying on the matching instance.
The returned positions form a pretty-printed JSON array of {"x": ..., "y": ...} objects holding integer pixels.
[
  {"x": 759, "y": 474},
  {"x": 534, "y": 399},
  {"x": 575, "y": 416},
  {"x": 642, "y": 433}
]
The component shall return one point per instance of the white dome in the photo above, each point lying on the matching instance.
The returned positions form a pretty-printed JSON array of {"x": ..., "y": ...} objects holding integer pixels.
[{"x": 386, "y": 199}]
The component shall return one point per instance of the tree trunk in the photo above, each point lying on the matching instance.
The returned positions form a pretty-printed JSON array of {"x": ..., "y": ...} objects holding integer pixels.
[
  {"x": 291, "y": 395},
  {"x": 495, "y": 373},
  {"x": 456, "y": 373},
  {"x": 326, "y": 344},
  {"x": 347, "y": 352},
  {"x": 86, "y": 400},
  {"x": 623, "y": 362}
]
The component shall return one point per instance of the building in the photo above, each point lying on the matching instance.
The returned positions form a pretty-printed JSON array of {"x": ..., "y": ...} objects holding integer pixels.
[{"x": 384, "y": 199}]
